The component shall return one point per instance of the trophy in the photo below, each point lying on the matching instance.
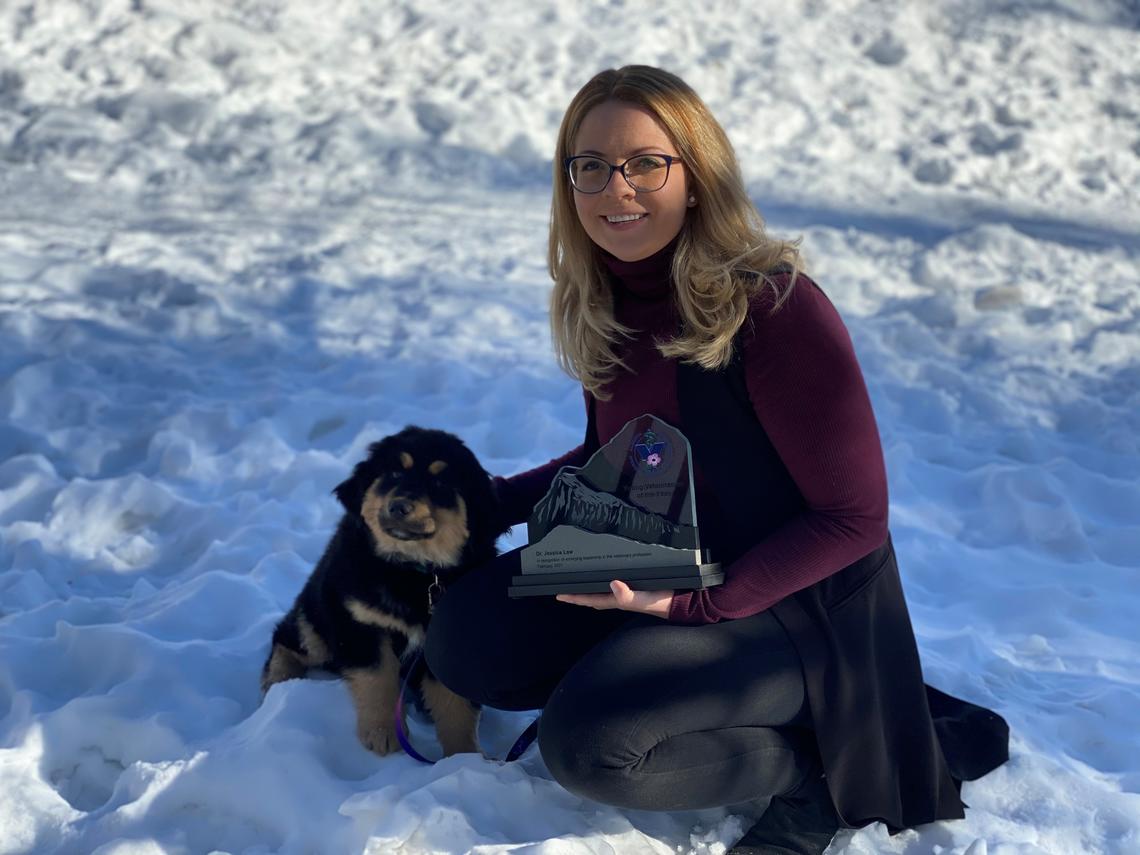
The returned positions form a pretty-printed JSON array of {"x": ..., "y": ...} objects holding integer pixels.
[{"x": 630, "y": 513}]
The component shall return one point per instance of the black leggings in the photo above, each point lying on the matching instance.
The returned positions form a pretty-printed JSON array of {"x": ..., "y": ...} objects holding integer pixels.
[{"x": 637, "y": 712}]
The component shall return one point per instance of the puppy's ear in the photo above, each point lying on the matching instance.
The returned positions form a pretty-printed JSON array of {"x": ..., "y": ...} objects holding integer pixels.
[{"x": 351, "y": 492}]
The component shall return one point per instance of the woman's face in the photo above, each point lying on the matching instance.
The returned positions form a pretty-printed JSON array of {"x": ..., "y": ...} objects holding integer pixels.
[{"x": 616, "y": 131}]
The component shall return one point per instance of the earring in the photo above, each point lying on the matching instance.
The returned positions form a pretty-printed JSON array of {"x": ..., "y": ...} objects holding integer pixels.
[{"x": 692, "y": 200}]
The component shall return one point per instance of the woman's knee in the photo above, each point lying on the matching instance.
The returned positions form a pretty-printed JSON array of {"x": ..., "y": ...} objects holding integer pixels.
[
  {"x": 443, "y": 648},
  {"x": 589, "y": 750},
  {"x": 457, "y": 624},
  {"x": 476, "y": 645}
]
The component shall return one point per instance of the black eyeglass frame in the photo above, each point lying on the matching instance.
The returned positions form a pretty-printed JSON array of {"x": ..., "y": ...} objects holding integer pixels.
[{"x": 669, "y": 159}]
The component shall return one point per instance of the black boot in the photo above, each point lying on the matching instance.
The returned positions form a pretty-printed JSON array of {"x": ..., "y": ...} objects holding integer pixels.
[{"x": 802, "y": 822}]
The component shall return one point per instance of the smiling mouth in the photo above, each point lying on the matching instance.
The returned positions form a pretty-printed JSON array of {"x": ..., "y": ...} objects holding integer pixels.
[{"x": 615, "y": 219}]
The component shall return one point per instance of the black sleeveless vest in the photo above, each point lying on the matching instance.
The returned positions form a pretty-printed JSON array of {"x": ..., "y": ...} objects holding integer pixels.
[{"x": 893, "y": 749}]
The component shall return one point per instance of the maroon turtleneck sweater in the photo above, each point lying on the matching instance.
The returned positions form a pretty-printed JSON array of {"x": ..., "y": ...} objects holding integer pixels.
[{"x": 808, "y": 393}]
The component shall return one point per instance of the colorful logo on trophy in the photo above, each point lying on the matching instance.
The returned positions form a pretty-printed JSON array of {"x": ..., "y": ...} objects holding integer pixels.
[{"x": 649, "y": 451}]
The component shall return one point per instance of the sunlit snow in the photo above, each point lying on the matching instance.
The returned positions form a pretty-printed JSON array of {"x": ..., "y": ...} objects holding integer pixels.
[{"x": 239, "y": 241}]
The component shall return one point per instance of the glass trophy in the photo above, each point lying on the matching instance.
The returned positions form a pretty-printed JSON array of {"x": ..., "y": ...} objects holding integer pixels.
[{"x": 630, "y": 513}]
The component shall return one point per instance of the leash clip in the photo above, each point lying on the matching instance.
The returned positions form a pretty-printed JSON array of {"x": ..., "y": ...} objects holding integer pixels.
[{"x": 434, "y": 592}]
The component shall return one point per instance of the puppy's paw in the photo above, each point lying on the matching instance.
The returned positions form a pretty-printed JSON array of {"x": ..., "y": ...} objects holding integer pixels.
[
  {"x": 379, "y": 739},
  {"x": 283, "y": 664},
  {"x": 267, "y": 682}
]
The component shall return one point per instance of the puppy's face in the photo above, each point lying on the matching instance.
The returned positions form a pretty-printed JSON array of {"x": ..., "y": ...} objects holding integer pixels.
[{"x": 410, "y": 495}]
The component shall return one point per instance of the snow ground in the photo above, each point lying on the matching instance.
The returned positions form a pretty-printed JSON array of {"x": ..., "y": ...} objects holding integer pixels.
[{"x": 241, "y": 240}]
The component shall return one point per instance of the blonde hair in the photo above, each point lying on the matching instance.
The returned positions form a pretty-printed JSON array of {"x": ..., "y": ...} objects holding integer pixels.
[{"x": 723, "y": 254}]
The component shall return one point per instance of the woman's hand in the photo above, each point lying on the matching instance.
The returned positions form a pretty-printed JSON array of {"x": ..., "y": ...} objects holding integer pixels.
[{"x": 622, "y": 596}]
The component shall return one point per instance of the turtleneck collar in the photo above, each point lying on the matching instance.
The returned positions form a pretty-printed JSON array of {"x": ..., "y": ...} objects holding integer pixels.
[{"x": 647, "y": 278}]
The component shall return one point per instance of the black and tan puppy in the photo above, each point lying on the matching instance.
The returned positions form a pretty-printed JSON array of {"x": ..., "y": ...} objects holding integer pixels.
[{"x": 419, "y": 511}]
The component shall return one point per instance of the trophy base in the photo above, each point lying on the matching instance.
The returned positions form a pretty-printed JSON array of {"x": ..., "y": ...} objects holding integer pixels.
[{"x": 686, "y": 578}]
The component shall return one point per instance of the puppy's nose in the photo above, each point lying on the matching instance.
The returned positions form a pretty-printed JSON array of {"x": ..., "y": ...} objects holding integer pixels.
[{"x": 399, "y": 508}]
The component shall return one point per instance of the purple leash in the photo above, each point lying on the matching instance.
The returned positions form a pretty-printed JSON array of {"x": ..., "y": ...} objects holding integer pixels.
[
  {"x": 521, "y": 744},
  {"x": 401, "y": 733},
  {"x": 435, "y": 591}
]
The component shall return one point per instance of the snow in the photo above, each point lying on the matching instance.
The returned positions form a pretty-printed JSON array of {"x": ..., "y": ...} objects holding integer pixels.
[{"x": 239, "y": 241}]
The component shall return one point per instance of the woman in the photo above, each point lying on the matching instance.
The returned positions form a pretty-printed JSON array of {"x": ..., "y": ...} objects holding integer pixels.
[{"x": 797, "y": 680}]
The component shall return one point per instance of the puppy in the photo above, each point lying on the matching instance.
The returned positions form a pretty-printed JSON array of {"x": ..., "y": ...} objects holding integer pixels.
[{"x": 419, "y": 511}]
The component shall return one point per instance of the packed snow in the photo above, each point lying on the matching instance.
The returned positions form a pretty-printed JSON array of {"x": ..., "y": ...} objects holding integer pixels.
[{"x": 242, "y": 239}]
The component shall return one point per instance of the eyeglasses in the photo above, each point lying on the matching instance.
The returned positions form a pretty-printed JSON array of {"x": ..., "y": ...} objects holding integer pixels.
[{"x": 643, "y": 172}]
